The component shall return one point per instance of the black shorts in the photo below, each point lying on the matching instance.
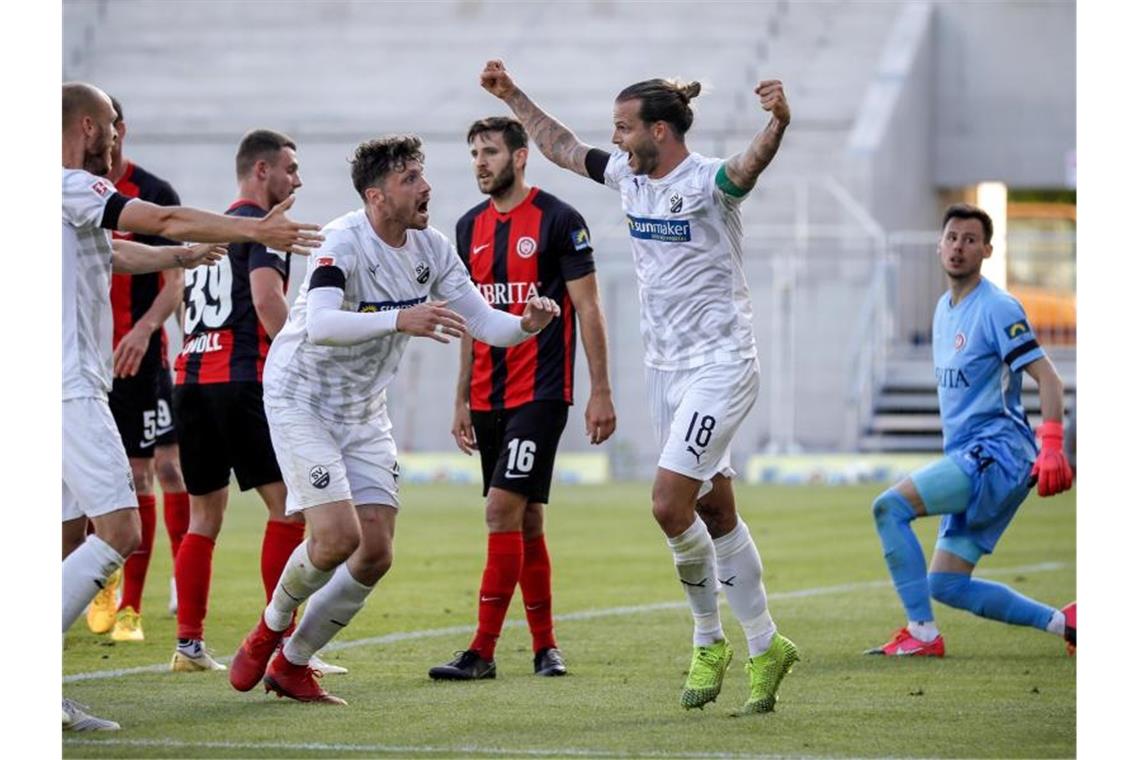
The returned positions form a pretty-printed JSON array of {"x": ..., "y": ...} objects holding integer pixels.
[
  {"x": 222, "y": 427},
  {"x": 141, "y": 407},
  {"x": 517, "y": 447}
]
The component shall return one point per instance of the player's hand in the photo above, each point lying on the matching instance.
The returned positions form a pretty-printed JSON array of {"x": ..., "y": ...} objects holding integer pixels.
[
  {"x": 130, "y": 351},
  {"x": 279, "y": 232},
  {"x": 771, "y": 92},
  {"x": 1051, "y": 469},
  {"x": 600, "y": 417},
  {"x": 539, "y": 312},
  {"x": 461, "y": 428},
  {"x": 496, "y": 80},
  {"x": 201, "y": 254},
  {"x": 431, "y": 320}
]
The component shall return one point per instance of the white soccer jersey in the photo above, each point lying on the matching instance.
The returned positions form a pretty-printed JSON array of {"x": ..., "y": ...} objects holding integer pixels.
[
  {"x": 87, "y": 322},
  {"x": 688, "y": 250},
  {"x": 348, "y": 383}
]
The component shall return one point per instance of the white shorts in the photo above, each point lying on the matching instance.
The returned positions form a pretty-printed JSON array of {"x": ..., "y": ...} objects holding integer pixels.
[
  {"x": 96, "y": 475},
  {"x": 696, "y": 412},
  {"x": 322, "y": 462}
]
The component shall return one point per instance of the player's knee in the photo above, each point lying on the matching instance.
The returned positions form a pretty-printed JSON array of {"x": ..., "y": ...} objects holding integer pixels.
[
  {"x": 890, "y": 507},
  {"x": 952, "y": 589},
  {"x": 333, "y": 548},
  {"x": 169, "y": 475},
  {"x": 123, "y": 533}
]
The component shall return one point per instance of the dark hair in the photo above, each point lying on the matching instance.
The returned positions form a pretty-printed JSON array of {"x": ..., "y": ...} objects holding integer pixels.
[
  {"x": 375, "y": 159},
  {"x": 969, "y": 211},
  {"x": 664, "y": 100},
  {"x": 514, "y": 135},
  {"x": 118, "y": 108},
  {"x": 257, "y": 145}
]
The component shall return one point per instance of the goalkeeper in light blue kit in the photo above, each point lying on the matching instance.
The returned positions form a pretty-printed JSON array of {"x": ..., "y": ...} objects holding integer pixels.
[{"x": 982, "y": 344}]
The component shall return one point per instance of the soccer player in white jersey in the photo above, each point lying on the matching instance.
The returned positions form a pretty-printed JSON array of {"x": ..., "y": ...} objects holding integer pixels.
[
  {"x": 97, "y": 482},
  {"x": 683, "y": 212},
  {"x": 366, "y": 293}
]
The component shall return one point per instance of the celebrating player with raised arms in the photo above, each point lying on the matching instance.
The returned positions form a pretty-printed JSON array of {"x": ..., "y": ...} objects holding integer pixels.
[
  {"x": 982, "y": 345},
  {"x": 683, "y": 212},
  {"x": 378, "y": 280}
]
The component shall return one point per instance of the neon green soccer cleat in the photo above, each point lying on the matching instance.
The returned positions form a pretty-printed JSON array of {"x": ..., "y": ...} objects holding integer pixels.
[
  {"x": 766, "y": 671},
  {"x": 706, "y": 674}
]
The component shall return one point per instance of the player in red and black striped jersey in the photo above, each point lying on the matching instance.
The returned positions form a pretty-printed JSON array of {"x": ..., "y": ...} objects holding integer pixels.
[
  {"x": 140, "y": 398},
  {"x": 232, "y": 311},
  {"x": 512, "y": 403}
]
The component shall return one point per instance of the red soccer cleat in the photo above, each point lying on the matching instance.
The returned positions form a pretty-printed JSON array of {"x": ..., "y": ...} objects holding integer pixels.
[
  {"x": 1070, "y": 613},
  {"x": 253, "y": 656},
  {"x": 297, "y": 682},
  {"x": 905, "y": 645}
]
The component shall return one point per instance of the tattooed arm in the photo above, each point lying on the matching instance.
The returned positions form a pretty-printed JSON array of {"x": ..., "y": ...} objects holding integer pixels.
[
  {"x": 555, "y": 141},
  {"x": 745, "y": 167}
]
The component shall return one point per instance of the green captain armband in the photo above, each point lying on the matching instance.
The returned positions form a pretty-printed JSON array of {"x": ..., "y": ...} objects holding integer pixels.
[{"x": 727, "y": 186}]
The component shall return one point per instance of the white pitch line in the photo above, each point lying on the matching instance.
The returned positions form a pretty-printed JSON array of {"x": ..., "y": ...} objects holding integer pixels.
[
  {"x": 456, "y": 630},
  {"x": 464, "y": 749}
]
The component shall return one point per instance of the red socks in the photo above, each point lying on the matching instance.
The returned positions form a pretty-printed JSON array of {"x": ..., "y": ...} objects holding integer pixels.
[
  {"x": 192, "y": 569},
  {"x": 176, "y": 515},
  {"x": 500, "y": 575},
  {"x": 134, "y": 569},
  {"x": 535, "y": 582},
  {"x": 280, "y": 539}
]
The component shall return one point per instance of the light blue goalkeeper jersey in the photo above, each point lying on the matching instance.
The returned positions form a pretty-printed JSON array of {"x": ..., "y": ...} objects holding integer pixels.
[{"x": 981, "y": 346}]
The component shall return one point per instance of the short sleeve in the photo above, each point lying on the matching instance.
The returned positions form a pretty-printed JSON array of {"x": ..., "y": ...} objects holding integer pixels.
[
  {"x": 261, "y": 257},
  {"x": 573, "y": 246},
  {"x": 1016, "y": 342},
  {"x": 333, "y": 263},
  {"x": 617, "y": 169},
  {"x": 85, "y": 197}
]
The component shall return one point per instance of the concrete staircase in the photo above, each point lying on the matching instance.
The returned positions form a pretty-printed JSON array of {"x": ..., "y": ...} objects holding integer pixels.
[{"x": 905, "y": 417}]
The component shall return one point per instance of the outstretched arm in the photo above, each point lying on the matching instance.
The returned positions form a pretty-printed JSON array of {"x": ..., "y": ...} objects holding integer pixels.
[
  {"x": 743, "y": 168},
  {"x": 556, "y": 142},
  {"x": 129, "y": 257}
]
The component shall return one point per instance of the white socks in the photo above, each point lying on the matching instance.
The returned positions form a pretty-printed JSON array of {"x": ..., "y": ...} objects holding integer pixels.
[
  {"x": 925, "y": 631},
  {"x": 1057, "y": 624},
  {"x": 299, "y": 580},
  {"x": 327, "y": 613},
  {"x": 739, "y": 571},
  {"x": 695, "y": 558},
  {"x": 85, "y": 571}
]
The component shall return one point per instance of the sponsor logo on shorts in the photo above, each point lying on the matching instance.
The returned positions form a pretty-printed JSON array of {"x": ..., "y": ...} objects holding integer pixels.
[
  {"x": 661, "y": 230},
  {"x": 319, "y": 476},
  {"x": 130, "y": 481},
  {"x": 423, "y": 272}
]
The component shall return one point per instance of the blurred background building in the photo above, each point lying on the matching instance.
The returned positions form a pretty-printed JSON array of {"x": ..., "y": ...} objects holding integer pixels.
[{"x": 898, "y": 109}]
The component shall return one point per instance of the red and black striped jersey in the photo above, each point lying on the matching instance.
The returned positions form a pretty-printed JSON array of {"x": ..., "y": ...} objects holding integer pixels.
[
  {"x": 223, "y": 340},
  {"x": 534, "y": 249},
  {"x": 133, "y": 294}
]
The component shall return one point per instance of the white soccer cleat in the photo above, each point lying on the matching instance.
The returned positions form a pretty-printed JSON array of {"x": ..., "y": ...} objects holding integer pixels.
[
  {"x": 193, "y": 660},
  {"x": 76, "y": 719},
  {"x": 324, "y": 668}
]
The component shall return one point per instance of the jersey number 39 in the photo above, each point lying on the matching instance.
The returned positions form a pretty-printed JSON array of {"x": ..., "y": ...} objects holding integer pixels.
[{"x": 208, "y": 296}]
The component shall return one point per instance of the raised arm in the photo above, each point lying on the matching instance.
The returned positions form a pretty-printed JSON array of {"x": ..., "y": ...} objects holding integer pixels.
[
  {"x": 129, "y": 257},
  {"x": 556, "y": 142},
  {"x": 274, "y": 230},
  {"x": 743, "y": 168}
]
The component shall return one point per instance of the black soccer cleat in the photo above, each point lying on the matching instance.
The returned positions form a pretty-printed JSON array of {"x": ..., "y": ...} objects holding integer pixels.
[
  {"x": 549, "y": 662},
  {"x": 467, "y": 666}
]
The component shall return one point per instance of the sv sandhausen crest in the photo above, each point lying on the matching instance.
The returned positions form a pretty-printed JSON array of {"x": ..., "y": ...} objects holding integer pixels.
[
  {"x": 319, "y": 476},
  {"x": 676, "y": 201},
  {"x": 423, "y": 272}
]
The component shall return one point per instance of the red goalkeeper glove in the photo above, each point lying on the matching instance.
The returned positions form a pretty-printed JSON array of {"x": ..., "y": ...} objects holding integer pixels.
[{"x": 1052, "y": 470}]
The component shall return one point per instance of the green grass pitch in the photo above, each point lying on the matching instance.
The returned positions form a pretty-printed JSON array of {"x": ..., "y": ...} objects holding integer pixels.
[{"x": 1000, "y": 692}]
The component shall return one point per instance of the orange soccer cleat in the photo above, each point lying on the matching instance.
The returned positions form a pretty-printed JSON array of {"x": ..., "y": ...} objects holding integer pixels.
[{"x": 297, "y": 682}]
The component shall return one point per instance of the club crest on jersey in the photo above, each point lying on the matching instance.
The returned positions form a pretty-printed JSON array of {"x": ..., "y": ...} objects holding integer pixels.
[
  {"x": 580, "y": 239},
  {"x": 675, "y": 203},
  {"x": 319, "y": 476},
  {"x": 526, "y": 247},
  {"x": 423, "y": 272},
  {"x": 1017, "y": 328},
  {"x": 959, "y": 341}
]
